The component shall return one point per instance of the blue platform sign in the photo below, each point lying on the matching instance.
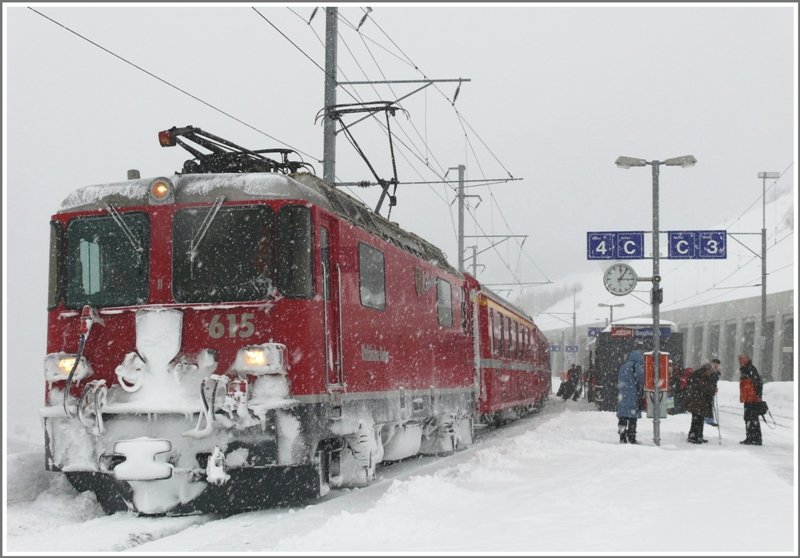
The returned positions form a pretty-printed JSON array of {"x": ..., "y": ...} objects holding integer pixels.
[
  {"x": 594, "y": 331},
  {"x": 615, "y": 245},
  {"x": 555, "y": 348},
  {"x": 682, "y": 245},
  {"x": 697, "y": 245},
  {"x": 713, "y": 244},
  {"x": 630, "y": 245},
  {"x": 600, "y": 246},
  {"x": 570, "y": 348}
]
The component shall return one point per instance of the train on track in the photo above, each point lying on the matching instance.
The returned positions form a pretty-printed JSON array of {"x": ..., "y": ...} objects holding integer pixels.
[
  {"x": 611, "y": 347},
  {"x": 242, "y": 334}
]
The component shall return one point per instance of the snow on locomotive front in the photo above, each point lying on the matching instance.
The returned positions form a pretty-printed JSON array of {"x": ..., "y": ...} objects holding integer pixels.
[{"x": 199, "y": 332}]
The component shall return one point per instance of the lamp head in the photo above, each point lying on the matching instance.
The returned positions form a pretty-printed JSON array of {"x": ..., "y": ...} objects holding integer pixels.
[
  {"x": 684, "y": 161},
  {"x": 628, "y": 162}
]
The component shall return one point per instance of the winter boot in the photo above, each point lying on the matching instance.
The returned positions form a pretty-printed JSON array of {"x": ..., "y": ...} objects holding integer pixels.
[
  {"x": 631, "y": 434},
  {"x": 753, "y": 430},
  {"x": 622, "y": 429}
]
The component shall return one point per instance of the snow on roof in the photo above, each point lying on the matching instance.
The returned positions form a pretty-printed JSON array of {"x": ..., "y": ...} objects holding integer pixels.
[
  {"x": 641, "y": 322},
  {"x": 192, "y": 187}
]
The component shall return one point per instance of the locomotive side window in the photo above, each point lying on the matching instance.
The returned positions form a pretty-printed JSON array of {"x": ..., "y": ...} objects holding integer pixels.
[
  {"x": 223, "y": 255},
  {"x": 325, "y": 255},
  {"x": 444, "y": 302},
  {"x": 105, "y": 265},
  {"x": 295, "y": 256},
  {"x": 372, "y": 279},
  {"x": 54, "y": 277}
]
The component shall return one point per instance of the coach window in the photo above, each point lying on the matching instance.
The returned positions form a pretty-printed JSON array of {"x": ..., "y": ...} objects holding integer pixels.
[
  {"x": 444, "y": 302},
  {"x": 529, "y": 353},
  {"x": 492, "y": 336},
  {"x": 295, "y": 277},
  {"x": 372, "y": 280},
  {"x": 501, "y": 331},
  {"x": 510, "y": 345}
]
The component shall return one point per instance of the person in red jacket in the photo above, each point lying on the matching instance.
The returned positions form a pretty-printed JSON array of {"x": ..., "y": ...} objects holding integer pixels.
[{"x": 750, "y": 393}]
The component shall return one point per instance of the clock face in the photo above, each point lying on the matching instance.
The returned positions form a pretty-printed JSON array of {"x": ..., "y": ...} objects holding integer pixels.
[{"x": 620, "y": 279}]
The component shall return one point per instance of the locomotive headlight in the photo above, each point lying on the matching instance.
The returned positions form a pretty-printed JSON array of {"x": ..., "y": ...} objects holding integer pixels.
[
  {"x": 65, "y": 364},
  {"x": 161, "y": 191},
  {"x": 261, "y": 359},
  {"x": 256, "y": 357},
  {"x": 57, "y": 367}
]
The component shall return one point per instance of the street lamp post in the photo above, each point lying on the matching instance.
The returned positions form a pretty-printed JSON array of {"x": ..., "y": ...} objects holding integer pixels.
[
  {"x": 656, "y": 293},
  {"x": 611, "y": 309}
]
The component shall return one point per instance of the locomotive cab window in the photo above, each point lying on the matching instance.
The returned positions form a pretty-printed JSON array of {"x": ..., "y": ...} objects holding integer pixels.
[
  {"x": 444, "y": 302},
  {"x": 295, "y": 257},
  {"x": 372, "y": 280},
  {"x": 107, "y": 260},
  {"x": 222, "y": 255},
  {"x": 54, "y": 276}
]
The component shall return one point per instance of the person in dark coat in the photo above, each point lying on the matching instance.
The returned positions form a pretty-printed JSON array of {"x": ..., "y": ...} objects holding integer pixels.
[
  {"x": 573, "y": 375},
  {"x": 681, "y": 378},
  {"x": 750, "y": 393},
  {"x": 716, "y": 372},
  {"x": 630, "y": 386},
  {"x": 699, "y": 400},
  {"x": 578, "y": 382}
]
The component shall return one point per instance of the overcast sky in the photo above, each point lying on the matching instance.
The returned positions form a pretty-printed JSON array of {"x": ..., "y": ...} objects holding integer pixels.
[{"x": 557, "y": 93}]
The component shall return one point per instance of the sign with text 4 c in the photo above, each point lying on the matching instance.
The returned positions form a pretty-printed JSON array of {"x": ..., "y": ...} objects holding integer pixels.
[{"x": 615, "y": 245}]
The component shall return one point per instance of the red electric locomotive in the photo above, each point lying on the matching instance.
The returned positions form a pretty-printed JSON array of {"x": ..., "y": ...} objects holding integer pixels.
[{"x": 243, "y": 334}]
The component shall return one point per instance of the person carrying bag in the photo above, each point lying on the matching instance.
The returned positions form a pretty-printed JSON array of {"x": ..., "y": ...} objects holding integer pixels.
[{"x": 751, "y": 394}]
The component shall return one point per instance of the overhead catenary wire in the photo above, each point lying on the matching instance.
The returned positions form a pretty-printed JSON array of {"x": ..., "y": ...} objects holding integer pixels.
[
  {"x": 731, "y": 274},
  {"x": 172, "y": 85},
  {"x": 464, "y": 124},
  {"x": 354, "y": 94},
  {"x": 380, "y": 70}
]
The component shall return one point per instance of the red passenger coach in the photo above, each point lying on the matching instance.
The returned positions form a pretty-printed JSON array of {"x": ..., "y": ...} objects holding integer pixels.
[
  {"x": 513, "y": 360},
  {"x": 242, "y": 334}
]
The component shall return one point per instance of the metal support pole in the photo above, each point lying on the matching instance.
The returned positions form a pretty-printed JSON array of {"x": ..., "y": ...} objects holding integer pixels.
[
  {"x": 766, "y": 366},
  {"x": 329, "y": 124},
  {"x": 461, "y": 217},
  {"x": 655, "y": 301},
  {"x": 474, "y": 261},
  {"x": 574, "y": 328}
]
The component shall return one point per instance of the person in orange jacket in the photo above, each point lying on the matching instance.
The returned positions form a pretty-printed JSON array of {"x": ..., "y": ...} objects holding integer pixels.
[{"x": 750, "y": 393}]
